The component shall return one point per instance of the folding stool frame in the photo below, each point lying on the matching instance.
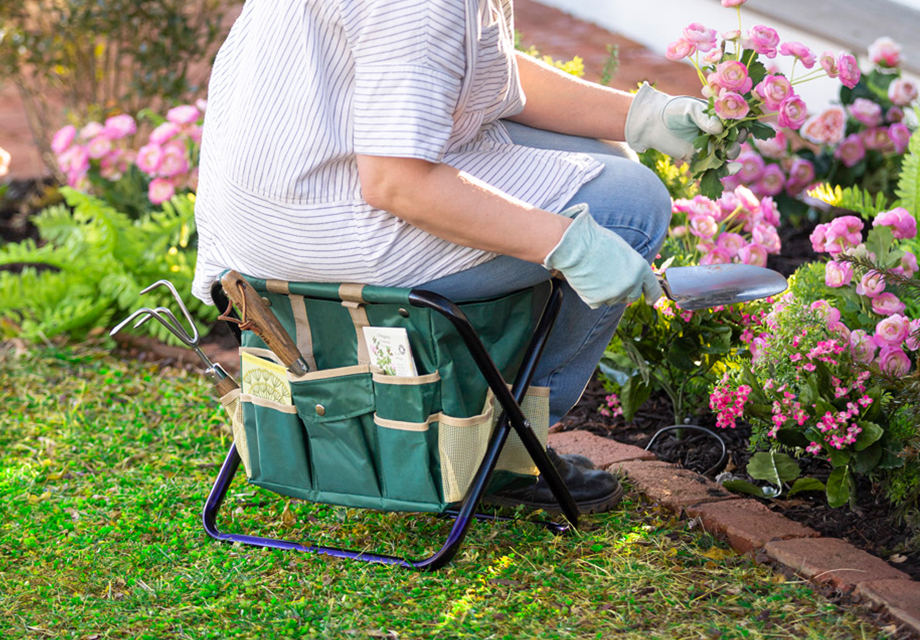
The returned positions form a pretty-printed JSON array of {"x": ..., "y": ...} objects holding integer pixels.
[{"x": 512, "y": 418}]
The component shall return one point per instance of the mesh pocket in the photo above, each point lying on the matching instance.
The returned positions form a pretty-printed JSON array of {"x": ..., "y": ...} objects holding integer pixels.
[{"x": 234, "y": 408}]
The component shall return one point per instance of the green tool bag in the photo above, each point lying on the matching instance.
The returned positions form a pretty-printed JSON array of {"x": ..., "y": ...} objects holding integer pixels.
[{"x": 352, "y": 435}]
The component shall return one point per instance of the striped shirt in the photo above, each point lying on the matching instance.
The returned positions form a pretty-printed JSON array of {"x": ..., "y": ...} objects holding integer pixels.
[{"x": 302, "y": 86}]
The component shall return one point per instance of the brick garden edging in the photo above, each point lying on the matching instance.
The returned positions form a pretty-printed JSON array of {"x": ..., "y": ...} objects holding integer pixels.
[{"x": 753, "y": 529}]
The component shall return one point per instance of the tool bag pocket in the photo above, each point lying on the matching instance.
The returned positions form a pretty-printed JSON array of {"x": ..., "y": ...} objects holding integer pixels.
[
  {"x": 278, "y": 450},
  {"x": 406, "y": 409}
]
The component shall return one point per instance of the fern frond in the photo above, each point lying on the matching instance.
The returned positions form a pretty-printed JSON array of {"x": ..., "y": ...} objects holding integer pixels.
[
  {"x": 908, "y": 190},
  {"x": 850, "y": 200}
]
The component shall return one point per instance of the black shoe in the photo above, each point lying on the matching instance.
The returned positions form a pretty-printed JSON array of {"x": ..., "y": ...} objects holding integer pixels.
[
  {"x": 593, "y": 490},
  {"x": 573, "y": 458}
]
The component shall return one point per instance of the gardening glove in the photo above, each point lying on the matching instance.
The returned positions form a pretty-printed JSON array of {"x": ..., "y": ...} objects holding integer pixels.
[
  {"x": 601, "y": 266},
  {"x": 669, "y": 124}
]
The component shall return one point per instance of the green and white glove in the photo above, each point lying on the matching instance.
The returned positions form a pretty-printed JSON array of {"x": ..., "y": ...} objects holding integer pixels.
[
  {"x": 670, "y": 124},
  {"x": 601, "y": 266}
]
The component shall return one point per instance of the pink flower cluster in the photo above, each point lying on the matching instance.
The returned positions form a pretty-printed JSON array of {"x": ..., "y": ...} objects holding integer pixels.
[
  {"x": 785, "y": 410},
  {"x": 735, "y": 228},
  {"x": 612, "y": 407},
  {"x": 764, "y": 178},
  {"x": 728, "y": 404},
  {"x": 167, "y": 158}
]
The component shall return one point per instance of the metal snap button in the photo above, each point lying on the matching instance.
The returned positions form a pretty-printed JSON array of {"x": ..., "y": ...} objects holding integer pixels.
[{"x": 320, "y": 410}]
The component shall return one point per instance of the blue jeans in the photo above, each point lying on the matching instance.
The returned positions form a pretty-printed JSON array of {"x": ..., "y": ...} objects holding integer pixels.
[{"x": 626, "y": 198}]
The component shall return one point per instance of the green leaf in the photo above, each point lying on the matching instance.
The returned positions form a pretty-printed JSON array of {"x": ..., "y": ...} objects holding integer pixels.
[
  {"x": 792, "y": 438},
  {"x": 840, "y": 458},
  {"x": 866, "y": 460},
  {"x": 870, "y": 434},
  {"x": 632, "y": 396},
  {"x": 743, "y": 486},
  {"x": 908, "y": 189},
  {"x": 762, "y": 131},
  {"x": 805, "y": 484},
  {"x": 682, "y": 353},
  {"x": 711, "y": 185},
  {"x": 838, "y": 487},
  {"x": 774, "y": 467}
]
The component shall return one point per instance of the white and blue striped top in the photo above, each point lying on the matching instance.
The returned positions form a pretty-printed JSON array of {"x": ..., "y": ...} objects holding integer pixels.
[{"x": 302, "y": 86}]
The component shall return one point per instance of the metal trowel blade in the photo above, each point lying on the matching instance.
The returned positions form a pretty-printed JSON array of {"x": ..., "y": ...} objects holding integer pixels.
[{"x": 704, "y": 286}]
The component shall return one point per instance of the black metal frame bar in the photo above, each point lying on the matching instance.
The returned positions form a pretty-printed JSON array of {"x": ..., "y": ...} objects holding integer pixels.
[{"x": 512, "y": 418}]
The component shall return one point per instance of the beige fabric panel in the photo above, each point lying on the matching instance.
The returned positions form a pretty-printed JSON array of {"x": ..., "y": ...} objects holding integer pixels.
[
  {"x": 268, "y": 404},
  {"x": 330, "y": 373},
  {"x": 404, "y": 426},
  {"x": 351, "y": 292},
  {"x": 304, "y": 337},
  {"x": 404, "y": 381},
  {"x": 278, "y": 286},
  {"x": 359, "y": 319}
]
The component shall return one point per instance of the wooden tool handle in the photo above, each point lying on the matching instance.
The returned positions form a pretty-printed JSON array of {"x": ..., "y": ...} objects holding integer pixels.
[
  {"x": 262, "y": 321},
  {"x": 225, "y": 386}
]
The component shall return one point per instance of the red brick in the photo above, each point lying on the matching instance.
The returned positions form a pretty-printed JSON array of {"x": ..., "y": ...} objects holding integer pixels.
[
  {"x": 747, "y": 524},
  {"x": 671, "y": 486},
  {"x": 603, "y": 452},
  {"x": 900, "y": 598},
  {"x": 832, "y": 561}
]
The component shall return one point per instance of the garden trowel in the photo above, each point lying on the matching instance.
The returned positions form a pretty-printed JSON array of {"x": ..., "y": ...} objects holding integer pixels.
[{"x": 704, "y": 286}]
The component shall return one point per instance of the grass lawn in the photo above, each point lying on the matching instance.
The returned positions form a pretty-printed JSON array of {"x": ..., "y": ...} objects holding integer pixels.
[{"x": 104, "y": 468}]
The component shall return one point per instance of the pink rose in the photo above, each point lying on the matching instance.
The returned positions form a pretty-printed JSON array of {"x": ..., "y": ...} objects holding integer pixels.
[
  {"x": 703, "y": 227},
  {"x": 903, "y": 224},
  {"x": 90, "y": 131},
  {"x": 887, "y": 304},
  {"x": 908, "y": 264},
  {"x": 766, "y": 236},
  {"x": 885, "y": 52},
  {"x": 731, "y": 243},
  {"x": 63, "y": 139},
  {"x": 752, "y": 166},
  {"x": 149, "y": 158},
  {"x": 867, "y": 112},
  {"x": 892, "y": 331},
  {"x": 679, "y": 49},
  {"x": 769, "y": 211},
  {"x": 828, "y": 62},
  {"x": 871, "y": 285},
  {"x": 98, "y": 147},
  {"x": 843, "y": 233},
  {"x": 798, "y": 50},
  {"x": 754, "y": 254},
  {"x": 849, "y": 70},
  {"x": 895, "y": 114},
  {"x": 160, "y": 190},
  {"x": 900, "y": 137},
  {"x": 763, "y": 40},
  {"x": 173, "y": 162},
  {"x": 862, "y": 346},
  {"x": 792, "y": 112},
  {"x": 733, "y": 3},
  {"x": 877, "y": 139},
  {"x": 773, "y": 91},
  {"x": 773, "y": 148},
  {"x": 185, "y": 114},
  {"x": 716, "y": 255},
  {"x": 818, "y": 238},
  {"x": 913, "y": 335},
  {"x": 827, "y": 127},
  {"x": 902, "y": 92},
  {"x": 838, "y": 274},
  {"x": 118, "y": 127},
  {"x": 772, "y": 181},
  {"x": 164, "y": 133},
  {"x": 851, "y": 150},
  {"x": 733, "y": 75},
  {"x": 894, "y": 362},
  {"x": 731, "y": 106},
  {"x": 801, "y": 174}
]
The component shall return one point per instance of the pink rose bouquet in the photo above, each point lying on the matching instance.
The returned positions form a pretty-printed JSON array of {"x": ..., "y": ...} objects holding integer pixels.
[{"x": 743, "y": 93}]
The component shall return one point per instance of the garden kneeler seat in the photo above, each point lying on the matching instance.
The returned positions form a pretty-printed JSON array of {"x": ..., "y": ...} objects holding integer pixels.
[{"x": 351, "y": 433}]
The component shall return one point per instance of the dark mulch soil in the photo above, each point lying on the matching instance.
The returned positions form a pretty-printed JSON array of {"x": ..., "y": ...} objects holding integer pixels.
[
  {"x": 867, "y": 527},
  {"x": 23, "y": 199}
]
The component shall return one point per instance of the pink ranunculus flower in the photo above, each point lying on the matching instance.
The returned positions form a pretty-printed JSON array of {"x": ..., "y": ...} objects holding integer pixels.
[
  {"x": 887, "y": 304},
  {"x": 185, "y": 114},
  {"x": 772, "y": 181},
  {"x": 731, "y": 243},
  {"x": 871, "y": 285},
  {"x": 774, "y": 90},
  {"x": 702, "y": 38},
  {"x": 733, "y": 75},
  {"x": 191, "y": 183},
  {"x": 895, "y": 114},
  {"x": 801, "y": 174},
  {"x": 885, "y": 52},
  {"x": 121, "y": 126},
  {"x": 731, "y": 106},
  {"x": 902, "y": 92},
  {"x": 851, "y": 151},
  {"x": 754, "y": 254},
  {"x": 769, "y": 211},
  {"x": 894, "y": 362},
  {"x": 792, "y": 112},
  {"x": 899, "y": 134},
  {"x": 90, "y": 130},
  {"x": 892, "y": 331},
  {"x": 838, "y": 274},
  {"x": 828, "y": 62},
  {"x": 716, "y": 255},
  {"x": 763, "y": 40},
  {"x": 798, "y": 50},
  {"x": 849, "y": 70},
  {"x": 773, "y": 148},
  {"x": 113, "y": 166},
  {"x": 174, "y": 161},
  {"x": 63, "y": 139},
  {"x": 913, "y": 335},
  {"x": 908, "y": 264},
  {"x": 99, "y": 147},
  {"x": 5, "y": 159},
  {"x": 149, "y": 158},
  {"x": 843, "y": 233},
  {"x": 818, "y": 238},
  {"x": 903, "y": 225},
  {"x": 766, "y": 236},
  {"x": 867, "y": 112},
  {"x": 79, "y": 160},
  {"x": 679, "y": 49},
  {"x": 160, "y": 190},
  {"x": 678, "y": 231},
  {"x": 733, "y": 3},
  {"x": 877, "y": 139},
  {"x": 827, "y": 127},
  {"x": 752, "y": 166},
  {"x": 862, "y": 346},
  {"x": 703, "y": 227},
  {"x": 164, "y": 133},
  {"x": 703, "y": 206}
]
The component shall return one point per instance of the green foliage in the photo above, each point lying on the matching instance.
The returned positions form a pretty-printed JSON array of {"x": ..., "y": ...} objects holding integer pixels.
[
  {"x": 676, "y": 178},
  {"x": 851, "y": 200},
  {"x": 908, "y": 190},
  {"x": 93, "y": 265}
]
